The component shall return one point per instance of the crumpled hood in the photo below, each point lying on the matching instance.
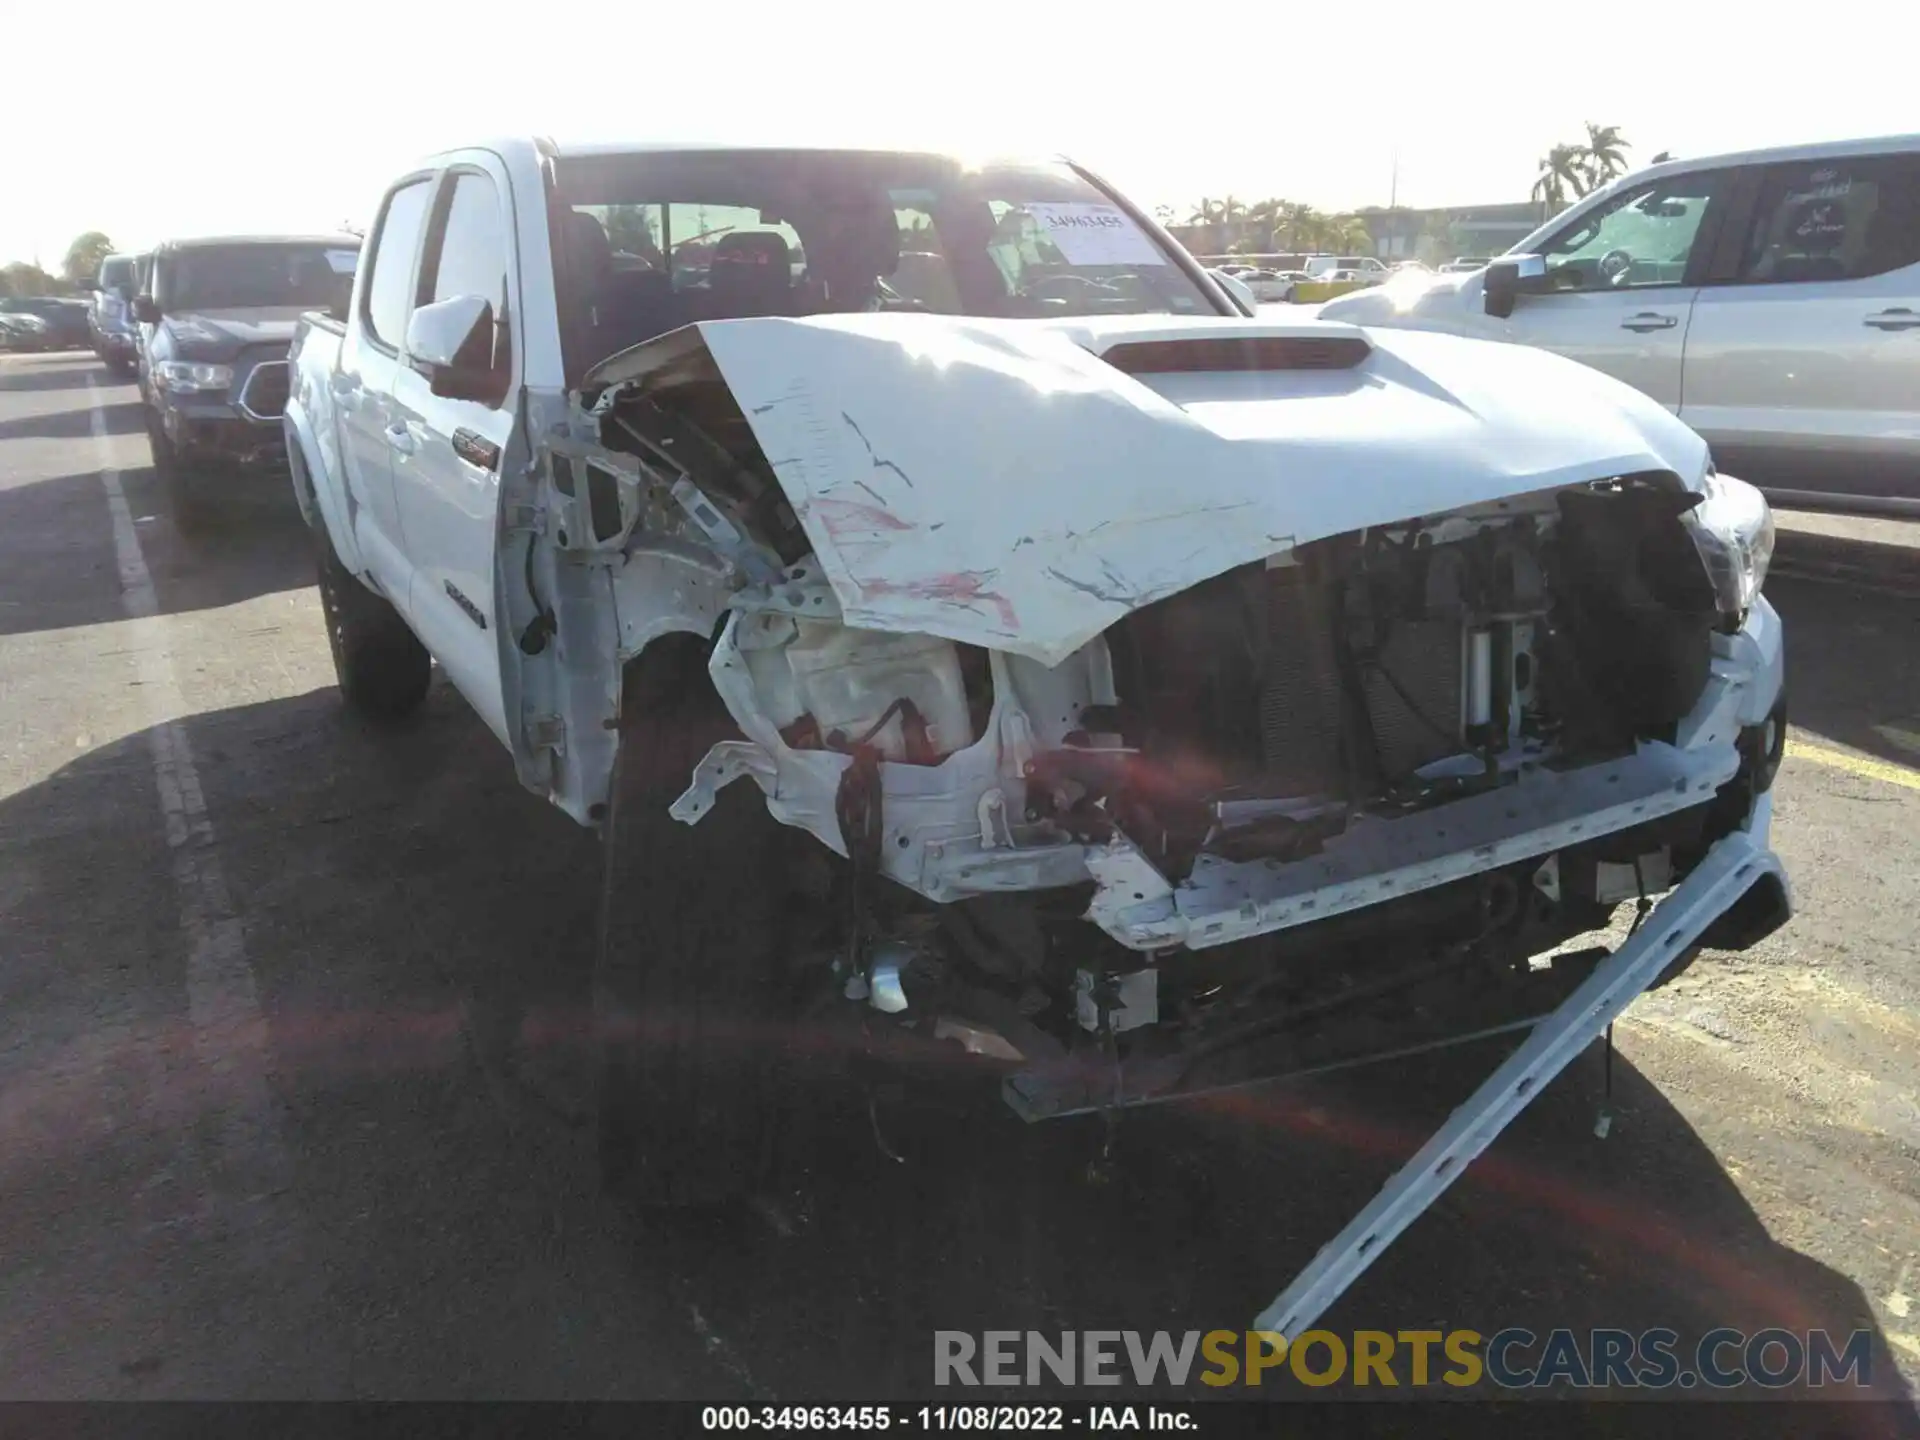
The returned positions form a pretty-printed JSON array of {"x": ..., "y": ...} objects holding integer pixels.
[
  {"x": 198, "y": 334},
  {"x": 1451, "y": 303},
  {"x": 998, "y": 483}
]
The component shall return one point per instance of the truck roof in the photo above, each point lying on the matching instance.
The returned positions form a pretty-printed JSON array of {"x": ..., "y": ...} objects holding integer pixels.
[
  {"x": 194, "y": 241},
  {"x": 533, "y": 147},
  {"x": 582, "y": 147},
  {"x": 1825, "y": 149}
]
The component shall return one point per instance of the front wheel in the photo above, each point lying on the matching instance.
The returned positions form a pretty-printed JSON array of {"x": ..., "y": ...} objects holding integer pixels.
[
  {"x": 687, "y": 1001},
  {"x": 383, "y": 669},
  {"x": 176, "y": 479}
]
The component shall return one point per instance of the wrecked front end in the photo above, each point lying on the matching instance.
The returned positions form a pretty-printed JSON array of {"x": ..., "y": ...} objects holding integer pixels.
[{"x": 1180, "y": 706}]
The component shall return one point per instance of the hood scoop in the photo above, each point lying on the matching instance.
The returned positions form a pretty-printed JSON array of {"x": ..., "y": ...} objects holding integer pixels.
[
  {"x": 1005, "y": 484},
  {"x": 1218, "y": 353}
]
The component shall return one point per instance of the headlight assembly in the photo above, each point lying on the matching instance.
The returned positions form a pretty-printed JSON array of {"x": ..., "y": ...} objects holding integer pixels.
[
  {"x": 1732, "y": 528},
  {"x": 189, "y": 377}
]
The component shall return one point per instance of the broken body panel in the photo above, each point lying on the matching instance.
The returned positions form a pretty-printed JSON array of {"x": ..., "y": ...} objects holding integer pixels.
[
  {"x": 1022, "y": 488},
  {"x": 1187, "y": 670},
  {"x": 1029, "y": 494}
]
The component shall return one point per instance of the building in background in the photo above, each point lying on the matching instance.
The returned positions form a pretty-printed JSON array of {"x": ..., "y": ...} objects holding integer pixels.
[
  {"x": 1397, "y": 233},
  {"x": 1439, "y": 234}
]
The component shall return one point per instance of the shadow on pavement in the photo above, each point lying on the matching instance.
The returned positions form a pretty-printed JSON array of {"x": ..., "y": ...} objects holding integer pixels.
[
  {"x": 54, "y": 370},
  {"x": 1853, "y": 666},
  {"x": 419, "y": 928},
  {"x": 58, "y": 566},
  {"x": 122, "y": 418}
]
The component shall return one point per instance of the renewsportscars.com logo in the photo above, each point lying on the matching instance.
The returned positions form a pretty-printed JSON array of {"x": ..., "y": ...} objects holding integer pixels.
[{"x": 1512, "y": 1359}]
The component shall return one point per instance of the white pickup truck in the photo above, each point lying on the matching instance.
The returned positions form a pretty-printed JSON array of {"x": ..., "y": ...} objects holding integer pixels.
[{"x": 1141, "y": 696}]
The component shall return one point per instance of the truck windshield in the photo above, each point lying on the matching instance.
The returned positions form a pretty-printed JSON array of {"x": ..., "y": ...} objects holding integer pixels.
[
  {"x": 656, "y": 240},
  {"x": 234, "y": 277},
  {"x": 117, "y": 273}
]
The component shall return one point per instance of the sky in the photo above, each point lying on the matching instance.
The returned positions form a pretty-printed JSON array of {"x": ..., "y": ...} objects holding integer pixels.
[{"x": 228, "y": 117}]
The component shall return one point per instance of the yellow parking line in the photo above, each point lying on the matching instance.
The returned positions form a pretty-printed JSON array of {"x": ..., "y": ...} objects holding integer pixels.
[{"x": 1855, "y": 764}]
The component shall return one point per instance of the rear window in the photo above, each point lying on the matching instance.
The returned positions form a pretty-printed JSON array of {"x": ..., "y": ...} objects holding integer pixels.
[
  {"x": 651, "y": 241},
  {"x": 1835, "y": 220},
  {"x": 116, "y": 271},
  {"x": 246, "y": 276}
]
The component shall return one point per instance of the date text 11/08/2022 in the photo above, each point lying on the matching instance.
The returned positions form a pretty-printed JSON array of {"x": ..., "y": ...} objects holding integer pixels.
[{"x": 939, "y": 1418}]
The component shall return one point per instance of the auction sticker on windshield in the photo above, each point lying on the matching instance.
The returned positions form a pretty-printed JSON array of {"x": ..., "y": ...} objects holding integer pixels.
[{"x": 1089, "y": 234}]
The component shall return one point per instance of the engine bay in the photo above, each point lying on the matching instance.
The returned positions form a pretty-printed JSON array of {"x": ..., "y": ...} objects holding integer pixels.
[{"x": 1420, "y": 754}]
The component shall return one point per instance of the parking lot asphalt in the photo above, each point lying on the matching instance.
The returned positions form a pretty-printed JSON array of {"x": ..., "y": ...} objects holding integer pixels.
[{"x": 293, "y": 1099}]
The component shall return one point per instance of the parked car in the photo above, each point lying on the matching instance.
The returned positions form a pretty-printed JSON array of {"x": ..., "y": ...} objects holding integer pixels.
[
  {"x": 23, "y": 332},
  {"x": 1322, "y": 267},
  {"x": 1328, "y": 284},
  {"x": 221, "y": 312},
  {"x": 1269, "y": 286},
  {"x": 110, "y": 320},
  {"x": 65, "y": 319},
  {"x": 142, "y": 330},
  {"x": 1242, "y": 295},
  {"x": 1771, "y": 299},
  {"x": 1088, "y": 678}
]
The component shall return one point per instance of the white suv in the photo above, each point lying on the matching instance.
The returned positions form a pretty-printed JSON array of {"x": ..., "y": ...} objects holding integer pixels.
[{"x": 1770, "y": 299}]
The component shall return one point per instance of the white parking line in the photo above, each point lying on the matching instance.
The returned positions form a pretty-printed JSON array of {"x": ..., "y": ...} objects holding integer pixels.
[{"x": 229, "y": 1033}]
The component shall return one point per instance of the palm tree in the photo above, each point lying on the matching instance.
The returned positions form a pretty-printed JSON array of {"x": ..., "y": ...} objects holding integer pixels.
[
  {"x": 1348, "y": 235},
  {"x": 1264, "y": 214},
  {"x": 1604, "y": 154},
  {"x": 1559, "y": 173},
  {"x": 1296, "y": 225},
  {"x": 1219, "y": 216}
]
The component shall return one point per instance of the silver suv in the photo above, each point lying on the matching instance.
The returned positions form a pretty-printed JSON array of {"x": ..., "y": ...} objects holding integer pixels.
[
  {"x": 110, "y": 320},
  {"x": 1770, "y": 299}
]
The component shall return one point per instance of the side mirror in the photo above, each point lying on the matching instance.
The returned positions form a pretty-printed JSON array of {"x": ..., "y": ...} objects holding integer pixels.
[
  {"x": 1237, "y": 288},
  {"x": 146, "y": 311},
  {"x": 1510, "y": 277},
  {"x": 451, "y": 343}
]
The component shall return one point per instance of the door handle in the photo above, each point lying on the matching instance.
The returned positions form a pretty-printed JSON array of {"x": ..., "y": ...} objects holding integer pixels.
[
  {"x": 1649, "y": 320},
  {"x": 342, "y": 384},
  {"x": 1898, "y": 318},
  {"x": 400, "y": 438},
  {"x": 475, "y": 449}
]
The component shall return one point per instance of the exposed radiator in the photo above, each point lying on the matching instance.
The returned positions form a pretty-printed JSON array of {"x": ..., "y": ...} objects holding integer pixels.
[
  {"x": 1300, "y": 694},
  {"x": 1424, "y": 657},
  {"x": 1300, "y": 699}
]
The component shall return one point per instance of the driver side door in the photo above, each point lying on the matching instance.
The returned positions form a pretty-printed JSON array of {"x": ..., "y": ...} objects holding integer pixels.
[{"x": 1623, "y": 278}]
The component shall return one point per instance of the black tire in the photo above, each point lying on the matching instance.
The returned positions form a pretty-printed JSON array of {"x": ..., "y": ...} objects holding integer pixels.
[
  {"x": 688, "y": 1005},
  {"x": 123, "y": 368},
  {"x": 177, "y": 483},
  {"x": 383, "y": 669}
]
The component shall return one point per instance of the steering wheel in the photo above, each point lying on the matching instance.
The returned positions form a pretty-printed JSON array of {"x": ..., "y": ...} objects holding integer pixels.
[{"x": 1614, "y": 266}]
